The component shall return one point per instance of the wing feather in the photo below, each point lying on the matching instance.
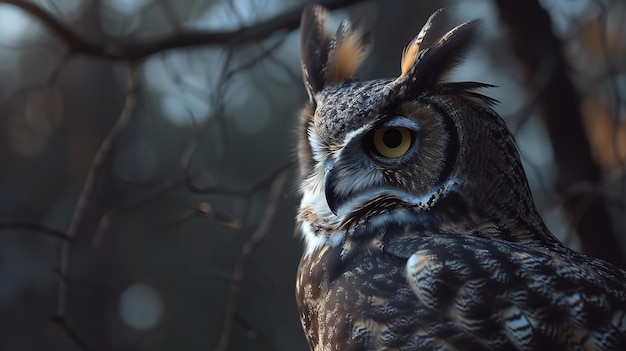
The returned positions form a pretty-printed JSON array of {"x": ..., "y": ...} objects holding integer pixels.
[{"x": 510, "y": 293}]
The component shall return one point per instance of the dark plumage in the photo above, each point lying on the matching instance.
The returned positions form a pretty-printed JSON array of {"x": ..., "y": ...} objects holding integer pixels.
[{"x": 420, "y": 229}]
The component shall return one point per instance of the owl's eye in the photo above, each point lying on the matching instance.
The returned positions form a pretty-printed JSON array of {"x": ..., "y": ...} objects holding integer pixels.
[{"x": 392, "y": 142}]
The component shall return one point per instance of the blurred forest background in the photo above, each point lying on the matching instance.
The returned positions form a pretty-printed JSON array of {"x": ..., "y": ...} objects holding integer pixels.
[{"x": 147, "y": 192}]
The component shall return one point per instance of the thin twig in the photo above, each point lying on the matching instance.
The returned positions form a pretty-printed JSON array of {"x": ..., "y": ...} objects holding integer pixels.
[
  {"x": 205, "y": 209},
  {"x": 58, "y": 68},
  {"x": 275, "y": 78},
  {"x": 248, "y": 249},
  {"x": 33, "y": 227},
  {"x": 241, "y": 191},
  {"x": 71, "y": 332},
  {"x": 105, "y": 220},
  {"x": 263, "y": 54}
]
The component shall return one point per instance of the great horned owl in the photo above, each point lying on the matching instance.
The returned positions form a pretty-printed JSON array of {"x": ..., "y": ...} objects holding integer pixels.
[{"x": 419, "y": 228}]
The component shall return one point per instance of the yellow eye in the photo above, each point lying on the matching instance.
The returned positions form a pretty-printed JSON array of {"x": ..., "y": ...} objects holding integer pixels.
[{"x": 392, "y": 142}]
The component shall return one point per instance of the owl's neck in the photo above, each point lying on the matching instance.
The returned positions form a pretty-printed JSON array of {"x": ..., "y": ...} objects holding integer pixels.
[{"x": 318, "y": 226}]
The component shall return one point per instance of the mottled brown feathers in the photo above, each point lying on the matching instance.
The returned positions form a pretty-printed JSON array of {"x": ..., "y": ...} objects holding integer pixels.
[{"x": 326, "y": 59}]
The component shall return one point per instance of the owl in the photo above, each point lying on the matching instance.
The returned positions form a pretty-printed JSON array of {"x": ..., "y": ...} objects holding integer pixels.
[{"x": 419, "y": 227}]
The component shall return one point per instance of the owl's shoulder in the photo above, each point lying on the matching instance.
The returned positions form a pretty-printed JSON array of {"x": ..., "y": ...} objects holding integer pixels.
[{"x": 530, "y": 294}]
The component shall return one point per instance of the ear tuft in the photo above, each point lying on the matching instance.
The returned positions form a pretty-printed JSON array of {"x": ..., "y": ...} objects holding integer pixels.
[
  {"x": 433, "y": 53},
  {"x": 349, "y": 49},
  {"x": 328, "y": 59},
  {"x": 314, "y": 46},
  {"x": 432, "y": 30}
]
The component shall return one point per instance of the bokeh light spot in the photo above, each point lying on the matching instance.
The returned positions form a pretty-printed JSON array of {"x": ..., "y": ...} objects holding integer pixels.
[
  {"x": 15, "y": 24},
  {"x": 141, "y": 306}
]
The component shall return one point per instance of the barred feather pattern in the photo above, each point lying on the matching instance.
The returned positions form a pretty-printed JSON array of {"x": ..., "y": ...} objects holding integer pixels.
[{"x": 449, "y": 291}]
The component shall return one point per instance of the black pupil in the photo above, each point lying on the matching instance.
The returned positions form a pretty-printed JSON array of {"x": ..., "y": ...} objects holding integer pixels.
[{"x": 392, "y": 138}]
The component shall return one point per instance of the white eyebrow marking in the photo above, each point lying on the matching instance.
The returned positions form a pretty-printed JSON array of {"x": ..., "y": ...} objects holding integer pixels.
[
  {"x": 352, "y": 134},
  {"x": 402, "y": 122}
]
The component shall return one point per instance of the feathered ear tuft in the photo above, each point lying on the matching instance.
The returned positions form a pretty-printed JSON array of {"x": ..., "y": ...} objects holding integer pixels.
[
  {"x": 432, "y": 30},
  {"x": 326, "y": 59},
  {"x": 314, "y": 47},
  {"x": 349, "y": 49},
  {"x": 433, "y": 53}
]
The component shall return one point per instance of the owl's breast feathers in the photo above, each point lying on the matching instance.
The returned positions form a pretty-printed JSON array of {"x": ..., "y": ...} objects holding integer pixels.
[{"x": 419, "y": 291}]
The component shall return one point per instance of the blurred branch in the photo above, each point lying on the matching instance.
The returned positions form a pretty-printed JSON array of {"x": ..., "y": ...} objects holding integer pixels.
[
  {"x": 71, "y": 332},
  {"x": 271, "y": 207},
  {"x": 33, "y": 227},
  {"x": 540, "y": 53},
  {"x": 240, "y": 191},
  {"x": 264, "y": 53},
  {"x": 105, "y": 149},
  {"x": 219, "y": 138},
  {"x": 274, "y": 78},
  {"x": 58, "y": 68},
  {"x": 205, "y": 209},
  {"x": 105, "y": 220},
  {"x": 85, "y": 196},
  {"x": 132, "y": 50}
]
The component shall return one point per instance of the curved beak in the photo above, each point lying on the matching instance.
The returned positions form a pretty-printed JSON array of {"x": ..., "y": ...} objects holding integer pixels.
[{"x": 332, "y": 199}]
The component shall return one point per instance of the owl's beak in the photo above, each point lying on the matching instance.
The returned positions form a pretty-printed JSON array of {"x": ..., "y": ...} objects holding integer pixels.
[{"x": 332, "y": 199}]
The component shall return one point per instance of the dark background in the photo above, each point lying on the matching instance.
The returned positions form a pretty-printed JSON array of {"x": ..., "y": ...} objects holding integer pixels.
[{"x": 146, "y": 152}]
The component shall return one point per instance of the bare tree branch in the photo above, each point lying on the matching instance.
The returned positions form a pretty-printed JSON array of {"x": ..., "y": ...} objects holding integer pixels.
[
  {"x": 276, "y": 189},
  {"x": 132, "y": 50},
  {"x": 87, "y": 192},
  {"x": 105, "y": 148}
]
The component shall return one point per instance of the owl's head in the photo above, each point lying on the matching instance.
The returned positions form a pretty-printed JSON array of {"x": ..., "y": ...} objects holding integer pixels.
[{"x": 415, "y": 149}]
